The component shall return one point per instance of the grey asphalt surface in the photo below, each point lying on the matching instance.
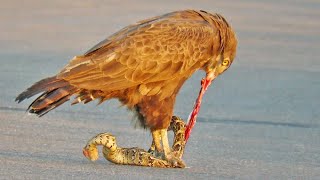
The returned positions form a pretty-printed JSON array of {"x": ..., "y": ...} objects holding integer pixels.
[{"x": 260, "y": 120}]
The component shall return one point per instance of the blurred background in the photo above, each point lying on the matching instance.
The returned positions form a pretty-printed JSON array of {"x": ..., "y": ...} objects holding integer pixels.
[{"x": 260, "y": 119}]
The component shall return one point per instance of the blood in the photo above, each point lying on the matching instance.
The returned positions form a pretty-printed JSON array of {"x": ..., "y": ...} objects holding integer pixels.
[{"x": 205, "y": 83}]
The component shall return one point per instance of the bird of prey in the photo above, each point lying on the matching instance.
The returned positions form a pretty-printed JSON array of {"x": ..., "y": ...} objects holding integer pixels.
[{"x": 143, "y": 65}]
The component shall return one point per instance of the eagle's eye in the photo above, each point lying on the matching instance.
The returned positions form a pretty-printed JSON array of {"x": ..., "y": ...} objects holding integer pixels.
[{"x": 225, "y": 62}]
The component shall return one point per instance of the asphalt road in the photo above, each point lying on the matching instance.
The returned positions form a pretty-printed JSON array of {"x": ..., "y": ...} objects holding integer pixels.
[{"x": 260, "y": 120}]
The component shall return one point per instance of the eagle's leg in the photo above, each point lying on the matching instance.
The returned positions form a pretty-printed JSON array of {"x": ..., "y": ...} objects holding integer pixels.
[
  {"x": 178, "y": 127},
  {"x": 152, "y": 148},
  {"x": 163, "y": 149},
  {"x": 156, "y": 141}
]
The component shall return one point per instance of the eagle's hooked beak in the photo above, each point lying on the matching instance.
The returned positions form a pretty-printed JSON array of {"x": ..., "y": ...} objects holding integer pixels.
[{"x": 211, "y": 75}]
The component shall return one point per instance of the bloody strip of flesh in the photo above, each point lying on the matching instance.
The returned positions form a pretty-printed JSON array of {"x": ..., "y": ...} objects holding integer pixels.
[{"x": 205, "y": 83}]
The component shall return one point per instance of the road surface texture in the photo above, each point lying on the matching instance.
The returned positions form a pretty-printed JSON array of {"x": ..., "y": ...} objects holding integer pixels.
[{"x": 259, "y": 120}]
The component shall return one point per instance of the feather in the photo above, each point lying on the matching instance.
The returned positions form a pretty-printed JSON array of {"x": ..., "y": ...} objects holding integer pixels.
[{"x": 46, "y": 84}]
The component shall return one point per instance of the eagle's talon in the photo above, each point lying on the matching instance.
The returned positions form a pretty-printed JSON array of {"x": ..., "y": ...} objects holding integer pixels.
[
  {"x": 175, "y": 161},
  {"x": 152, "y": 149},
  {"x": 159, "y": 155}
]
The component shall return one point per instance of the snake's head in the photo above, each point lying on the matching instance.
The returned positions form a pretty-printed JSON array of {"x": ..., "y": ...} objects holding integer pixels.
[{"x": 90, "y": 152}]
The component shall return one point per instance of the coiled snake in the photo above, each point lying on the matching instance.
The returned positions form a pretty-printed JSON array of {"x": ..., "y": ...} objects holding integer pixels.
[{"x": 135, "y": 155}]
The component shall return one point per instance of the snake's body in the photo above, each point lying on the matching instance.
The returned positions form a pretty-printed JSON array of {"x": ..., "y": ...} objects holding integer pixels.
[{"x": 135, "y": 155}]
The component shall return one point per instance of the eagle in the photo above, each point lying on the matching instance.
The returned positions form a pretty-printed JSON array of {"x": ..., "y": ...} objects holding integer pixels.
[{"x": 143, "y": 65}]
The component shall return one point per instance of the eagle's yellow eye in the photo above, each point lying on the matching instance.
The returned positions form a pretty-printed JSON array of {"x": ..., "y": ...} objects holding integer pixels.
[{"x": 225, "y": 62}]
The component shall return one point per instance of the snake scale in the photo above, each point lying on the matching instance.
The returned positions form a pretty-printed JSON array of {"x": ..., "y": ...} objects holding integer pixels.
[{"x": 135, "y": 155}]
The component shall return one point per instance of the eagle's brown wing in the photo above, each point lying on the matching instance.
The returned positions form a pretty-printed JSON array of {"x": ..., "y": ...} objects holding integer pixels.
[{"x": 154, "y": 50}]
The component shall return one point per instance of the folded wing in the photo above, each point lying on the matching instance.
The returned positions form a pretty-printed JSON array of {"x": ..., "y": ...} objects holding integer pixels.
[{"x": 154, "y": 50}]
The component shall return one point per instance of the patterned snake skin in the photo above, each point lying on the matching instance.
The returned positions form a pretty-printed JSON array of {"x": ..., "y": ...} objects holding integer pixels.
[{"x": 135, "y": 155}]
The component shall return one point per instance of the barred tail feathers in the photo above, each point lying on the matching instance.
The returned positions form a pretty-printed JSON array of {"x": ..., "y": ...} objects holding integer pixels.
[{"x": 56, "y": 92}]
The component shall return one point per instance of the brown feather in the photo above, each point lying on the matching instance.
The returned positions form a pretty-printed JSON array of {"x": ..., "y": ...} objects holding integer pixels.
[{"x": 46, "y": 84}]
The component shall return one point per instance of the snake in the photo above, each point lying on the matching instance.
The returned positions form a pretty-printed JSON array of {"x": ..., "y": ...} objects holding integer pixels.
[{"x": 137, "y": 156}]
